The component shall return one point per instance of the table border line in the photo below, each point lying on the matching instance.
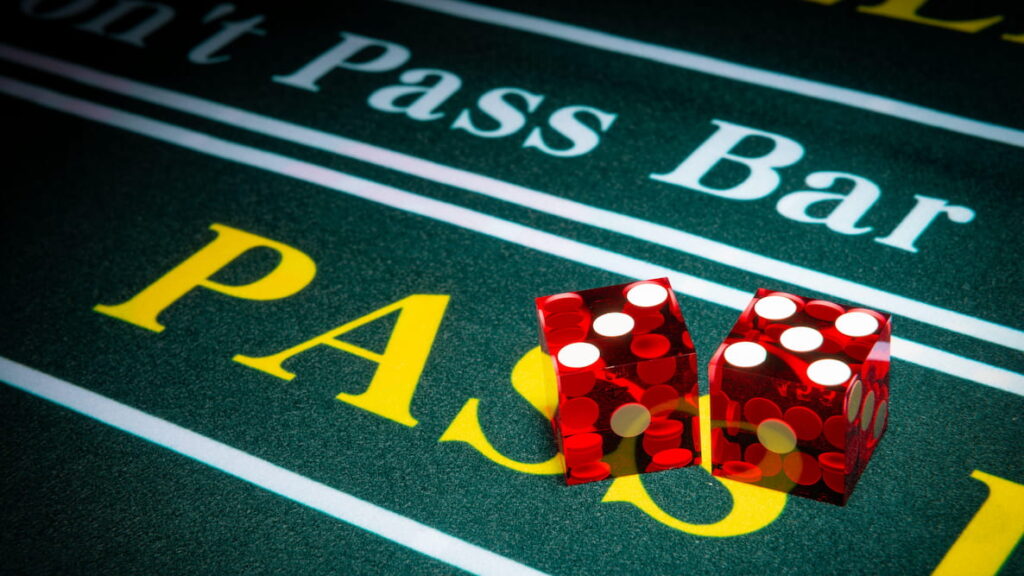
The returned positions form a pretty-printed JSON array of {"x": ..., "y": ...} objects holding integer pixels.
[
  {"x": 281, "y": 481},
  {"x": 592, "y": 216},
  {"x": 693, "y": 61},
  {"x": 459, "y": 216}
]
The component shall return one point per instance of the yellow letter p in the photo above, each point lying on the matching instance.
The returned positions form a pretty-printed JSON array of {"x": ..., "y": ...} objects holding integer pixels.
[{"x": 293, "y": 273}]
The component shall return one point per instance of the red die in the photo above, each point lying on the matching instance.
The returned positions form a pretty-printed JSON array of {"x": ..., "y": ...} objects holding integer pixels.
[
  {"x": 627, "y": 380},
  {"x": 800, "y": 395}
]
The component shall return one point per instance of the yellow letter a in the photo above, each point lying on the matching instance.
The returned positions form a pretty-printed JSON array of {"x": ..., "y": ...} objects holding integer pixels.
[
  {"x": 293, "y": 273},
  {"x": 399, "y": 367}
]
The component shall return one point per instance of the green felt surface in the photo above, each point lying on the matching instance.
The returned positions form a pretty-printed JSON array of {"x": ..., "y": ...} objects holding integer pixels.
[{"x": 93, "y": 214}]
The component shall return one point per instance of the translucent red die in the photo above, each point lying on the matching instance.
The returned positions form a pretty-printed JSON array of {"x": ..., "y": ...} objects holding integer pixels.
[
  {"x": 626, "y": 376},
  {"x": 800, "y": 395}
]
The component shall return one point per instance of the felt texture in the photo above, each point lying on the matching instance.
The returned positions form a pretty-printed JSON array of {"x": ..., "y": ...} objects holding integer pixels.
[{"x": 94, "y": 214}]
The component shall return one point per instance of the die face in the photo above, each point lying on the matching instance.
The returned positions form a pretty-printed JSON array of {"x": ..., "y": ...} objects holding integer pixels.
[
  {"x": 627, "y": 379},
  {"x": 799, "y": 395},
  {"x": 871, "y": 418},
  {"x": 779, "y": 434},
  {"x": 631, "y": 427},
  {"x": 665, "y": 387},
  {"x": 628, "y": 322}
]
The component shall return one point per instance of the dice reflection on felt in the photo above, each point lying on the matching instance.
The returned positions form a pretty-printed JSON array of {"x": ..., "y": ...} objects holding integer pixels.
[
  {"x": 626, "y": 375},
  {"x": 800, "y": 395}
]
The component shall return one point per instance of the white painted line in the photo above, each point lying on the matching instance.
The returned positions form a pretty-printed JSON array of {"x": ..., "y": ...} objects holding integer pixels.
[
  {"x": 723, "y": 68},
  {"x": 468, "y": 219},
  {"x": 528, "y": 198},
  {"x": 1000, "y": 378},
  {"x": 335, "y": 503}
]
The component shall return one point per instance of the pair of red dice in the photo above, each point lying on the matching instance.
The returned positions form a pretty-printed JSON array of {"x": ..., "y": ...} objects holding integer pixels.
[{"x": 799, "y": 388}]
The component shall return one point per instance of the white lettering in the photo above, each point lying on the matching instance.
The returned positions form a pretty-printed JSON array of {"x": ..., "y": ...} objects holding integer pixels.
[
  {"x": 566, "y": 122},
  {"x": 920, "y": 217},
  {"x": 160, "y": 14},
  {"x": 204, "y": 52},
  {"x": 494, "y": 104},
  {"x": 74, "y": 8},
  {"x": 424, "y": 107},
  {"x": 843, "y": 218},
  {"x": 341, "y": 56},
  {"x": 762, "y": 178}
]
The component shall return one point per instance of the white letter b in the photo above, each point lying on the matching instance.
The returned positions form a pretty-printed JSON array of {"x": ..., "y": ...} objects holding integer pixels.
[{"x": 763, "y": 177}]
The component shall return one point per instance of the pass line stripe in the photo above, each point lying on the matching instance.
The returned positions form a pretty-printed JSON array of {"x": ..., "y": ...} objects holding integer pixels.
[
  {"x": 722, "y": 68},
  {"x": 245, "y": 466},
  {"x": 528, "y": 198},
  {"x": 472, "y": 220}
]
